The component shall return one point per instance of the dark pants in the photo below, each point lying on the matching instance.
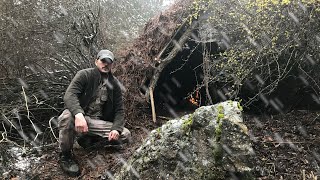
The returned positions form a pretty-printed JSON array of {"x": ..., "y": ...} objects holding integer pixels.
[{"x": 98, "y": 127}]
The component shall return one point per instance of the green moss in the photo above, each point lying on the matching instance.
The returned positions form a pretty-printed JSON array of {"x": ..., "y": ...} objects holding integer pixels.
[
  {"x": 220, "y": 116},
  {"x": 239, "y": 106},
  {"x": 218, "y": 132},
  {"x": 158, "y": 130},
  {"x": 146, "y": 159},
  {"x": 218, "y": 129},
  {"x": 157, "y": 134},
  {"x": 220, "y": 113},
  {"x": 186, "y": 126}
]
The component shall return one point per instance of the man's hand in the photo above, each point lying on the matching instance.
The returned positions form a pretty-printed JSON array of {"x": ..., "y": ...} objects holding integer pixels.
[
  {"x": 80, "y": 123},
  {"x": 113, "y": 135}
]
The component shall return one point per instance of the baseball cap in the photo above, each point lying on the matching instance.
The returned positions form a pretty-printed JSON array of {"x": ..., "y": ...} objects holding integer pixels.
[{"x": 105, "y": 54}]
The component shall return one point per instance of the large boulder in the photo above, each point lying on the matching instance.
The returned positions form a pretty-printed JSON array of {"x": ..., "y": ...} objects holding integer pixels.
[{"x": 211, "y": 143}]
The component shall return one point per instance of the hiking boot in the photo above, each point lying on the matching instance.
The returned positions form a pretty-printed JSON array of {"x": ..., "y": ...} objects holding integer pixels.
[
  {"x": 88, "y": 141},
  {"x": 115, "y": 142},
  {"x": 69, "y": 165}
]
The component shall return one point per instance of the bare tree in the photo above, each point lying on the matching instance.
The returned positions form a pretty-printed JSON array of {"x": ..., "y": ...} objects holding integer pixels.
[{"x": 44, "y": 43}]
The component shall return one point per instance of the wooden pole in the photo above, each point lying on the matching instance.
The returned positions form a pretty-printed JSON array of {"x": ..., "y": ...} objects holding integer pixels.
[{"x": 154, "y": 118}]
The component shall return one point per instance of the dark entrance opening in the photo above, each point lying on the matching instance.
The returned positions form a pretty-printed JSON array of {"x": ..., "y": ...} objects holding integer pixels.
[{"x": 180, "y": 78}]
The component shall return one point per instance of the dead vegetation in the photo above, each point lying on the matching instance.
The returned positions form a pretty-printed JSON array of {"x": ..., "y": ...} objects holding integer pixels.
[{"x": 238, "y": 60}]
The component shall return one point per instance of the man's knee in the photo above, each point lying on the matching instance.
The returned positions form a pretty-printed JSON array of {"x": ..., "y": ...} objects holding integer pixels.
[{"x": 66, "y": 120}]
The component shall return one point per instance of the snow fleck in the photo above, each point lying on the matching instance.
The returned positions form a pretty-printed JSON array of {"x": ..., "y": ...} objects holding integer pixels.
[
  {"x": 261, "y": 81},
  {"x": 176, "y": 82},
  {"x": 222, "y": 96},
  {"x": 303, "y": 79},
  {"x": 316, "y": 98},
  {"x": 303, "y": 131},
  {"x": 17, "y": 2},
  {"x": 59, "y": 37},
  {"x": 177, "y": 45},
  {"x": 63, "y": 10},
  {"x": 205, "y": 162},
  {"x": 293, "y": 17},
  {"x": 23, "y": 83}
]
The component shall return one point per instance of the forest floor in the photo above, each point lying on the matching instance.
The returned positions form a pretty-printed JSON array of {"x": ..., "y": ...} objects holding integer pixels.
[{"x": 287, "y": 146}]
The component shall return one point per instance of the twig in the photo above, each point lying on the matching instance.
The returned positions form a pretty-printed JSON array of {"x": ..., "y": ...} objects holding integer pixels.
[
  {"x": 314, "y": 119},
  {"x": 274, "y": 168},
  {"x": 313, "y": 80},
  {"x": 4, "y": 134},
  {"x": 39, "y": 103},
  {"x": 5, "y": 117},
  {"x": 275, "y": 142},
  {"x": 154, "y": 117},
  {"x": 206, "y": 71},
  {"x": 52, "y": 128},
  {"x": 28, "y": 112},
  {"x": 163, "y": 117},
  {"x": 26, "y": 100},
  {"x": 45, "y": 145}
]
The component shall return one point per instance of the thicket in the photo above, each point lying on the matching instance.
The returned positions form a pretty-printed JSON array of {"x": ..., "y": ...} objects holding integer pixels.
[
  {"x": 264, "y": 53},
  {"x": 44, "y": 43},
  {"x": 269, "y": 46},
  {"x": 265, "y": 43}
]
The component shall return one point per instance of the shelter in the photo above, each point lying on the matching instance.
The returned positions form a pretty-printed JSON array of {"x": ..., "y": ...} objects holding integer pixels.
[{"x": 202, "y": 52}]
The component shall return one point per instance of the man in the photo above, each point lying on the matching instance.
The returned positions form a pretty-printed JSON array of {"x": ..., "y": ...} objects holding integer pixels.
[{"x": 93, "y": 108}]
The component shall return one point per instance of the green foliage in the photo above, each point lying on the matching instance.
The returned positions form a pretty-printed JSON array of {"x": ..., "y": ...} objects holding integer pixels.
[
  {"x": 264, "y": 39},
  {"x": 198, "y": 7}
]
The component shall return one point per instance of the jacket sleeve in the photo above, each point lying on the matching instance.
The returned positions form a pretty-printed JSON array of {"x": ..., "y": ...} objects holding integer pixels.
[
  {"x": 118, "y": 122},
  {"x": 72, "y": 96}
]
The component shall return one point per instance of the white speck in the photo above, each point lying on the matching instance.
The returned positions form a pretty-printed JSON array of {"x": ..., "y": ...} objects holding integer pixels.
[
  {"x": 293, "y": 17},
  {"x": 205, "y": 162}
]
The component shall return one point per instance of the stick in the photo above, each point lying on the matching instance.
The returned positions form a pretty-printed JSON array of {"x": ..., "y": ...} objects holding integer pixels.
[
  {"x": 26, "y": 100},
  {"x": 52, "y": 128},
  {"x": 154, "y": 117}
]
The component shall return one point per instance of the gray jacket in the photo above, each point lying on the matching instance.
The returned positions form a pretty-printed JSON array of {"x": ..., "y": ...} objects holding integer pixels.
[{"x": 84, "y": 86}]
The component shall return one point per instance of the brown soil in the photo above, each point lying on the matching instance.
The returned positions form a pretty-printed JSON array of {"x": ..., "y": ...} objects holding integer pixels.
[
  {"x": 95, "y": 164},
  {"x": 286, "y": 146}
]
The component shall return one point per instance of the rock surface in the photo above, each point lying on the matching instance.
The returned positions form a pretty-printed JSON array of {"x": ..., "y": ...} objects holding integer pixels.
[{"x": 211, "y": 143}]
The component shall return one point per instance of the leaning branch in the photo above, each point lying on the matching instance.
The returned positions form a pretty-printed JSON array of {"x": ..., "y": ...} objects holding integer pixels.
[{"x": 164, "y": 62}]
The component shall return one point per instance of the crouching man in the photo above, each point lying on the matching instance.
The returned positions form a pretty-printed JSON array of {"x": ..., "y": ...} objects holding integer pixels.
[{"x": 93, "y": 110}]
